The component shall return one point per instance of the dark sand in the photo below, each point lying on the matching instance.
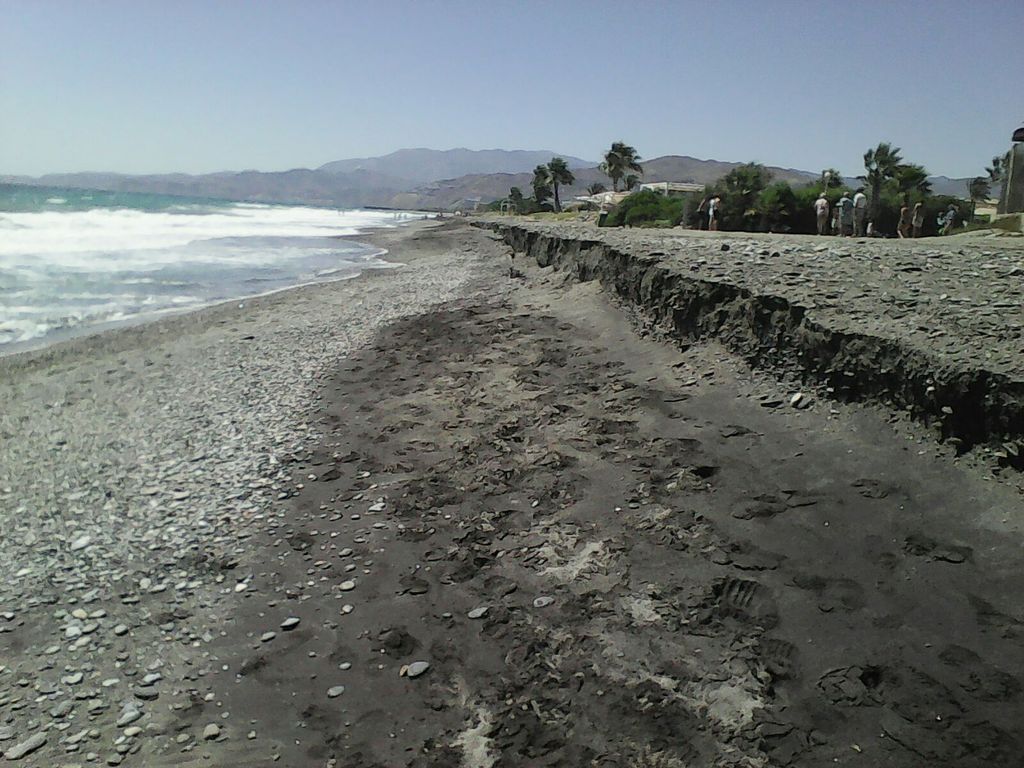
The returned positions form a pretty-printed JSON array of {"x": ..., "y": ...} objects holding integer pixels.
[{"x": 731, "y": 584}]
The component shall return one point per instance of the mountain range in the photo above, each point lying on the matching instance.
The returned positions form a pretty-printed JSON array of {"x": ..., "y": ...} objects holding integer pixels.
[{"x": 423, "y": 179}]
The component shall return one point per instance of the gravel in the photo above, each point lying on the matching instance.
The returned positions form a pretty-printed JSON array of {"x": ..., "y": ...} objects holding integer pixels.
[{"x": 136, "y": 464}]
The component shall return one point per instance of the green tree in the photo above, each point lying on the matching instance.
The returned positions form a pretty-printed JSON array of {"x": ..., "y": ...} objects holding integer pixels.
[
  {"x": 831, "y": 179},
  {"x": 541, "y": 184},
  {"x": 978, "y": 188},
  {"x": 777, "y": 205},
  {"x": 515, "y": 197},
  {"x": 559, "y": 173},
  {"x": 739, "y": 190},
  {"x": 596, "y": 188},
  {"x": 912, "y": 178},
  {"x": 881, "y": 164},
  {"x": 618, "y": 160}
]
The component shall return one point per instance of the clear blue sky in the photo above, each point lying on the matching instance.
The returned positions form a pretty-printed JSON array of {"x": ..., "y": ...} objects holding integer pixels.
[{"x": 148, "y": 86}]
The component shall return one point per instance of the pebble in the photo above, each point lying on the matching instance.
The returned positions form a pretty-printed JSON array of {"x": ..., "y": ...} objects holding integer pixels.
[
  {"x": 290, "y": 623},
  {"x": 121, "y": 629},
  {"x": 347, "y": 586},
  {"x": 478, "y": 613},
  {"x": 26, "y": 747},
  {"x": 211, "y": 732},
  {"x": 128, "y": 716},
  {"x": 335, "y": 692},
  {"x": 266, "y": 637},
  {"x": 543, "y": 602},
  {"x": 417, "y": 668},
  {"x": 81, "y": 543}
]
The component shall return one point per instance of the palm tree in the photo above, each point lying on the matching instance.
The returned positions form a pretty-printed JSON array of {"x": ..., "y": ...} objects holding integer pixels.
[
  {"x": 618, "y": 160},
  {"x": 541, "y": 184},
  {"x": 881, "y": 163},
  {"x": 631, "y": 182},
  {"x": 596, "y": 188},
  {"x": 559, "y": 173},
  {"x": 978, "y": 188},
  {"x": 912, "y": 178}
]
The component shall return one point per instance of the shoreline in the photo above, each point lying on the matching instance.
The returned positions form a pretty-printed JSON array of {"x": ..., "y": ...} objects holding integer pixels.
[
  {"x": 510, "y": 510},
  {"x": 115, "y": 334},
  {"x": 139, "y": 466}
]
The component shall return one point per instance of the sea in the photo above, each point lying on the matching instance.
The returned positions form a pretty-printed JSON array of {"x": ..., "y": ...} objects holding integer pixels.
[{"x": 74, "y": 260}]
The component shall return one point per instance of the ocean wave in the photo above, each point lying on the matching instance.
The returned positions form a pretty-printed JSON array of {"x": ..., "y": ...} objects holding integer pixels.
[
  {"x": 112, "y": 231},
  {"x": 77, "y": 268}
]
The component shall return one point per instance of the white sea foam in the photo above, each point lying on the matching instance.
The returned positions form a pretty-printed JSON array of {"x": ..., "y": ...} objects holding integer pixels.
[
  {"x": 107, "y": 230},
  {"x": 74, "y": 268}
]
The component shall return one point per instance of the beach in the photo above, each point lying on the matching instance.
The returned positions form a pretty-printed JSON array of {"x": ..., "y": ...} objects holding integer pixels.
[{"x": 491, "y": 509}]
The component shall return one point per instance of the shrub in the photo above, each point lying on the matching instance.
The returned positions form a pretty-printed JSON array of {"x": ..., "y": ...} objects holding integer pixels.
[
  {"x": 777, "y": 204},
  {"x": 646, "y": 206}
]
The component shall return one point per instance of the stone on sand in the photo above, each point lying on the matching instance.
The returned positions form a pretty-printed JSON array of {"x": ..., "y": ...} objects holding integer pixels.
[{"x": 26, "y": 747}]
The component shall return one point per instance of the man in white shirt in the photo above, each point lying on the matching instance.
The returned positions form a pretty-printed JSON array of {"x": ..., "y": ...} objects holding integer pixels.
[
  {"x": 821, "y": 210},
  {"x": 860, "y": 212}
]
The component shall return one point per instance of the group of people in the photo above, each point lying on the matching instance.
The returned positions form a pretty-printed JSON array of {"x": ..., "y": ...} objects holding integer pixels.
[{"x": 849, "y": 217}]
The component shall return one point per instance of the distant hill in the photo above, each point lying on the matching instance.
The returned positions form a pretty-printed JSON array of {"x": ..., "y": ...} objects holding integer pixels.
[
  {"x": 943, "y": 185},
  {"x": 487, "y": 187},
  {"x": 683, "y": 168},
  {"x": 413, "y": 178},
  {"x": 418, "y": 166}
]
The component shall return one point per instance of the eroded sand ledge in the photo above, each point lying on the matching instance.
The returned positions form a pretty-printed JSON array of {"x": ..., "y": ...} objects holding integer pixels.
[{"x": 886, "y": 335}]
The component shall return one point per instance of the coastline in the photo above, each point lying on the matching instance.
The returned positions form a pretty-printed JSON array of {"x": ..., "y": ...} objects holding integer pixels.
[
  {"x": 17, "y": 355},
  {"x": 441, "y": 517},
  {"x": 136, "y": 464}
]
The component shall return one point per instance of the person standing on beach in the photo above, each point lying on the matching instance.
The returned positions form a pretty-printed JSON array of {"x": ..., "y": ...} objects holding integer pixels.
[
  {"x": 845, "y": 215},
  {"x": 702, "y": 214},
  {"x": 821, "y": 212},
  {"x": 949, "y": 220},
  {"x": 860, "y": 212},
  {"x": 713, "y": 213},
  {"x": 917, "y": 220},
  {"x": 903, "y": 228}
]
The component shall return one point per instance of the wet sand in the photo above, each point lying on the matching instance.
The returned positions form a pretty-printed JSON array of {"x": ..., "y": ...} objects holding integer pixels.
[{"x": 609, "y": 550}]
